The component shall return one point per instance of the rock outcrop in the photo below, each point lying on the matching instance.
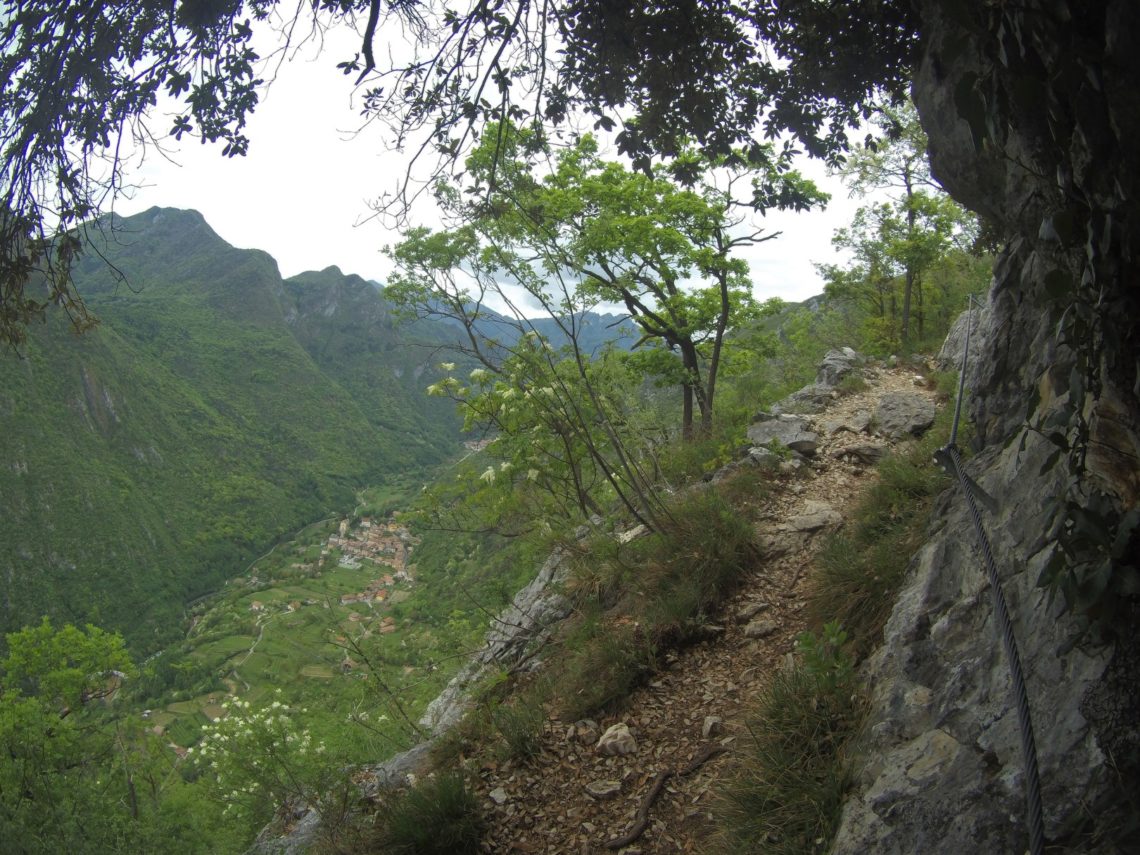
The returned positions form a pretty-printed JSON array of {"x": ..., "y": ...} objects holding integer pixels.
[
  {"x": 949, "y": 356},
  {"x": 789, "y": 431},
  {"x": 514, "y": 634},
  {"x": 813, "y": 398},
  {"x": 943, "y": 768}
]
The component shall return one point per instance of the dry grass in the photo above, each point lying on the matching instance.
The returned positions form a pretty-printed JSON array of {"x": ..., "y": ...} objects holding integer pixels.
[
  {"x": 793, "y": 772},
  {"x": 636, "y": 600}
]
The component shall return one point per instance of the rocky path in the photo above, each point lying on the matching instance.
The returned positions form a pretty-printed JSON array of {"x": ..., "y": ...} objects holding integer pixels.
[{"x": 698, "y": 703}]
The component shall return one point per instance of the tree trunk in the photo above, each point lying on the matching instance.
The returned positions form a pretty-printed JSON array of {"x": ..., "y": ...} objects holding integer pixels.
[
  {"x": 687, "y": 411},
  {"x": 694, "y": 390},
  {"x": 908, "y": 287},
  {"x": 714, "y": 363}
]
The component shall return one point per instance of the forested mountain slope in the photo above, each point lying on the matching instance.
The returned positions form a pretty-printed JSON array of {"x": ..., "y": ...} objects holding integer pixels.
[{"x": 213, "y": 409}]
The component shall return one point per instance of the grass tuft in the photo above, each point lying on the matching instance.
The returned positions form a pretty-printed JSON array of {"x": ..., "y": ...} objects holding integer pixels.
[
  {"x": 852, "y": 384},
  {"x": 858, "y": 572},
  {"x": 787, "y": 797},
  {"x": 520, "y": 724},
  {"x": 438, "y": 816}
]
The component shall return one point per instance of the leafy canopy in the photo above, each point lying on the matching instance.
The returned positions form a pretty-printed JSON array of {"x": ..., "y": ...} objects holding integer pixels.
[
  {"x": 572, "y": 230},
  {"x": 902, "y": 249},
  {"x": 51, "y": 756},
  {"x": 80, "y": 78}
]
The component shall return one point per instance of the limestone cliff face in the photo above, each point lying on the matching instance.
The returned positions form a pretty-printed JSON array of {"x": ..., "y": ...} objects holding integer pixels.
[{"x": 943, "y": 771}]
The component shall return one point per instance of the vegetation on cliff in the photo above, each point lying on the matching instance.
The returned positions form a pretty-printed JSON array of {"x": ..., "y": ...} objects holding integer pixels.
[{"x": 728, "y": 80}]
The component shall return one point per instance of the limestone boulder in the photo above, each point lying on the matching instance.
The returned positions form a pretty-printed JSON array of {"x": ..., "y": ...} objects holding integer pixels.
[
  {"x": 867, "y": 453},
  {"x": 902, "y": 414},
  {"x": 788, "y": 430},
  {"x": 809, "y": 400},
  {"x": 857, "y": 422},
  {"x": 616, "y": 740},
  {"x": 836, "y": 365}
]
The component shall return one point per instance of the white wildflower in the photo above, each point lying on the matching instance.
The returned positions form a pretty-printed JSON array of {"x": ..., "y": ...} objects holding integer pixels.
[{"x": 488, "y": 475}]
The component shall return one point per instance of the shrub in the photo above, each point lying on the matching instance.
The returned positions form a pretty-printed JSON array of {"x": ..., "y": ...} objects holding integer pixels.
[
  {"x": 851, "y": 384},
  {"x": 660, "y": 585},
  {"x": 438, "y": 816},
  {"x": 604, "y": 669},
  {"x": 258, "y": 760},
  {"x": 748, "y": 487}
]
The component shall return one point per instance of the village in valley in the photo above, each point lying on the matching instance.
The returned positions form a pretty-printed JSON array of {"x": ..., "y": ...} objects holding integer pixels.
[{"x": 380, "y": 549}]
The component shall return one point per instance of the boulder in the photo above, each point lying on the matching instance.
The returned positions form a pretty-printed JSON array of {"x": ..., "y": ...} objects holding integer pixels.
[
  {"x": 901, "y": 414},
  {"x": 814, "y": 516},
  {"x": 790, "y": 431},
  {"x": 764, "y": 456},
  {"x": 857, "y": 422},
  {"x": 760, "y": 628},
  {"x": 712, "y": 727},
  {"x": 603, "y": 790},
  {"x": 585, "y": 731},
  {"x": 836, "y": 365},
  {"x": 749, "y": 610},
  {"x": 799, "y": 529},
  {"x": 808, "y": 400},
  {"x": 950, "y": 355},
  {"x": 867, "y": 453},
  {"x": 617, "y": 740}
]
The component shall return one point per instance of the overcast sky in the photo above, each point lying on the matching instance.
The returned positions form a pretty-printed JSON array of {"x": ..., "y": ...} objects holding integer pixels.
[{"x": 303, "y": 192}]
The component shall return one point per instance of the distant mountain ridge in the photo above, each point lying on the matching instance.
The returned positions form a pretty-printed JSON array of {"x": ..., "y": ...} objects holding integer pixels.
[{"x": 592, "y": 330}]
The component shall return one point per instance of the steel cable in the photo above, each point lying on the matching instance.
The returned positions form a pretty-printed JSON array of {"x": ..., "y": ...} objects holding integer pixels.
[{"x": 1034, "y": 811}]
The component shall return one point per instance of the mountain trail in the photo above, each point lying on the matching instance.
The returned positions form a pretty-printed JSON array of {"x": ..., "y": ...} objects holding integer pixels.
[{"x": 689, "y": 717}]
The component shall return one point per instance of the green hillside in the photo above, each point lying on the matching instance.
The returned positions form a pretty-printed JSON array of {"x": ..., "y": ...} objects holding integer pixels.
[
  {"x": 214, "y": 409},
  {"x": 346, "y": 327}
]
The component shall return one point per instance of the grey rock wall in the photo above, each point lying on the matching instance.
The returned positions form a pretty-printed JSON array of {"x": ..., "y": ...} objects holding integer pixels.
[
  {"x": 513, "y": 635},
  {"x": 941, "y": 767}
]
